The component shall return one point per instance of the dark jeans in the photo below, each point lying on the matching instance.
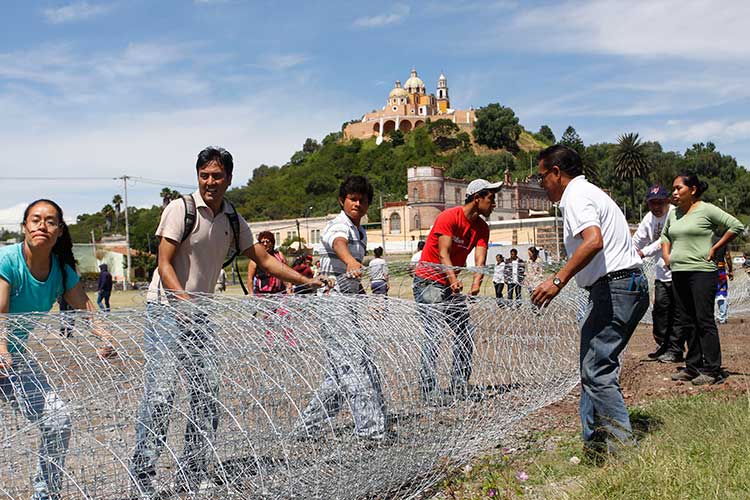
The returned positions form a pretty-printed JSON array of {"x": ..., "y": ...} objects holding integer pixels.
[
  {"x": 438, "y": 306},
  {"x": 103, "y": 296},
  {"x": 695, "y": 292},
  {"x": 499, "y": 290},
  {"x": 514, "y": 290},
  {"x": 613, "y": 311},
  {"x": 667, "y": 334}
]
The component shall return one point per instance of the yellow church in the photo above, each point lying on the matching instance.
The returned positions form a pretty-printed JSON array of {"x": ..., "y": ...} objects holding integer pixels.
[{"x": 408, "y": 107}]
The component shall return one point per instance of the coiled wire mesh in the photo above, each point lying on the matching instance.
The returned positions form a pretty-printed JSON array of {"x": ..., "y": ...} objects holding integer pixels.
[{"x": 271, "y": 355}]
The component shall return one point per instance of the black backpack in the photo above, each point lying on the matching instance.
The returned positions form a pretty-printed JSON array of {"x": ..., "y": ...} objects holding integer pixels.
[{"x": 191, "y": 214}]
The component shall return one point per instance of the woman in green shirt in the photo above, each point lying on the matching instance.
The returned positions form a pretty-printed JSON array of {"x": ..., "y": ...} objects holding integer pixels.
[{"x": 688, "y": 250}]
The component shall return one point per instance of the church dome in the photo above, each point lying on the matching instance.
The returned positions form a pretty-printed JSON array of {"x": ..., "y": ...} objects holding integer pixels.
[
  {"x": 414, "y": 82},
  {"x": 398, "y": 91}
]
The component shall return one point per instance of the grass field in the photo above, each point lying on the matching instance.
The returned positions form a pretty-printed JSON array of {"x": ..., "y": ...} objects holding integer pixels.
[{"x": 693, "y": 447}]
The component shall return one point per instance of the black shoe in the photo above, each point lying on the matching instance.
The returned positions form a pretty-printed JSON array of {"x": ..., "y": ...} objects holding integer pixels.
[
  {"x": 659, "y": 352},
  {"x": 684, "y": 376}
]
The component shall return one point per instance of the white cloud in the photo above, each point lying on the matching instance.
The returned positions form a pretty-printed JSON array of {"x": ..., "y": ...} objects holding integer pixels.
[
  {"x": 280, "y": 62},
  {"x": 703, "y": 131},
  {"x": 10, "y": 217},
  {"x": 400, "y": 12},
  {"x": 77, "y": 11},
  {"x": 689, "y": 29}
]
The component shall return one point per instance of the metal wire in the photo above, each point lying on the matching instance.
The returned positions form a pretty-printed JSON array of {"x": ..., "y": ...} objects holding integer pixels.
[{"x": 271, "y": 357}]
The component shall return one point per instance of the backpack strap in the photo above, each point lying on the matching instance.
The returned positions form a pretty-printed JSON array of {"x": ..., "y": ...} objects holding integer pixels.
[
  {"x": 234, "y": 222},
  {"x": 190, "y": 216}
]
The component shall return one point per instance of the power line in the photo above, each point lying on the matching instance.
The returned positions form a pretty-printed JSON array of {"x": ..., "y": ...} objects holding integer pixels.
[{"x": 144, "y": 180}]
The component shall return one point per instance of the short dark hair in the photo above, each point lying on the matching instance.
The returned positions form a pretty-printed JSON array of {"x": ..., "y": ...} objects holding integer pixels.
[
  {"x": 219, "y": 155},
  {"x": 565, "y": 158},
  {"x": 378, "y": 252},
  {"x": 421, "y": 244},
  {"x": 356, "y": 184},
  {"x": 691, "y": 180},
  {"x": 514, "y": 250},
  {"x": 267, "y": 235}
]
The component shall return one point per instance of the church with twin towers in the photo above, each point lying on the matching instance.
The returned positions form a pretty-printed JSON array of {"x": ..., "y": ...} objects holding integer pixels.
[{"x": 408, "y": 107}]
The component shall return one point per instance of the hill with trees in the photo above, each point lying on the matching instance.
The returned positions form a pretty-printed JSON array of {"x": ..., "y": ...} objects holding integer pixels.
[{"x": 307, "y": 184}]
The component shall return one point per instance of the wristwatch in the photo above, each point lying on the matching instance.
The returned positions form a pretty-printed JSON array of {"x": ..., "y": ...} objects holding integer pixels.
[{"x": 556, "y": 281}]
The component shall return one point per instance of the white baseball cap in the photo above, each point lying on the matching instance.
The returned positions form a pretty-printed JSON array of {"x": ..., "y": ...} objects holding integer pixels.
[{"x": 478, "y": 185}]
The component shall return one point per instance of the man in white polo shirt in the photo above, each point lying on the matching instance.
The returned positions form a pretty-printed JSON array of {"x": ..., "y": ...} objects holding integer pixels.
[
  {"x": 604, "y": 261},
  {"x": 178, "y": 339}
]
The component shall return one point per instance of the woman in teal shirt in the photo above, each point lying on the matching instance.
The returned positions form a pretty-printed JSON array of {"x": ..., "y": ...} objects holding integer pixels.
[
  {"x": 688, "y": 250},
  {"x": 33, "y": 274}
]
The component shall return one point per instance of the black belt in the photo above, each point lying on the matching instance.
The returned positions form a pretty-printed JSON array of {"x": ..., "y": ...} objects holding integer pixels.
[{"x": 615, "y": 275}]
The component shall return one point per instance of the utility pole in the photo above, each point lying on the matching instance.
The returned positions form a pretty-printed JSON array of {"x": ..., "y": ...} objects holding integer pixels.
[
  {"x": 127, "y": 232},
  {"x": 382, "y": 222},
  {"x": 299, "y": 236},
  {"x": 557, "y": 235},
  {"x": 93, "y": 246}
]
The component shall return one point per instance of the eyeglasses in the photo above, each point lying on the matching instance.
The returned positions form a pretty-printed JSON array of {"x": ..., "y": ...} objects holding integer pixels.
[
  {"x": 540, "y": 177},
  {"x": 264, "y": 242},
  {"x": 35, "y": 223}
]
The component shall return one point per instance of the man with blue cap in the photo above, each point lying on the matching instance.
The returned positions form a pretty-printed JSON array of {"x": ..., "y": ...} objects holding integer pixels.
[{"x": 647, "y": 241}]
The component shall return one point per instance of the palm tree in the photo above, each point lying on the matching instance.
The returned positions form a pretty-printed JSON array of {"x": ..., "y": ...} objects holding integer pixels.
[
  {"x": 166, "y": 196},
  {"x": 117, "y": 202},
  {"x": 630, "y": 161},
  {"x": 108, "y": 212}
]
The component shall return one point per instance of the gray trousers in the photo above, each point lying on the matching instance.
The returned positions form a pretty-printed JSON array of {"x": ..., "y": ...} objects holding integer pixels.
[
  {"x": 438, "y": 306},
  {"x": 27, "y": 389},
  {"x": 352, "y": 378},
  {"x": 170, "y": 347}
]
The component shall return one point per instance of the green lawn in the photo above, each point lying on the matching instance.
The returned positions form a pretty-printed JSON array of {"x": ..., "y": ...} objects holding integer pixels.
[{"x": 695, "y": 447}]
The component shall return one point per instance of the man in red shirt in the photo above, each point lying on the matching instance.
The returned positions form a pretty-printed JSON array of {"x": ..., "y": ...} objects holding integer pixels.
[{"x": 437, "y": 288}]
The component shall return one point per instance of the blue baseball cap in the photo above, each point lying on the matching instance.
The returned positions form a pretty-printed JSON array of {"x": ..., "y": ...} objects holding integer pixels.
[{"x": 657, "y": 192}]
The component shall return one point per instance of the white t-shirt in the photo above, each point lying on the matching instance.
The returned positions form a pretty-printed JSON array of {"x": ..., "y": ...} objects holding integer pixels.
[
  {"x": 415, "y": 258},
  {"x": 584, "y": 205},
  {"x": 647, "y": 239},
  {"x": 499, "y": 275},
  {"x": 197, "y": 262},
  {"x": 378, "y": 270}
]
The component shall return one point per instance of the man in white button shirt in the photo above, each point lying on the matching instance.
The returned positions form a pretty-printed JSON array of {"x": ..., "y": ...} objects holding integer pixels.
[
  {"x": 604, "y": 261},
  {"x": 647, "y": 241}
]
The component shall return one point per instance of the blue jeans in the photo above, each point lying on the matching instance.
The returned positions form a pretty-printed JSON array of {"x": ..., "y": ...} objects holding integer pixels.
[
  {"x": 613, "y": 311},
  {"x": 723, "y": 306},
  {"x": 437, "y": 307},
  {"x": 171, "y": 345},
  {"x": 102, "y": 299},
  {"x": 352, "y": 377},
  {"x": 27, "y": 389}
]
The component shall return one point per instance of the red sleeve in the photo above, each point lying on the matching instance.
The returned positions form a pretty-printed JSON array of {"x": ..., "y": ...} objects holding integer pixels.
[
  {"x": 484, "y": 237},
  {"x": 444, "y": 224}
]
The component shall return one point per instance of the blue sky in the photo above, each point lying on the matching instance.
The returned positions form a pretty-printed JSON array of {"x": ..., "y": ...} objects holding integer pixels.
[{"x": 105, "y": 88}]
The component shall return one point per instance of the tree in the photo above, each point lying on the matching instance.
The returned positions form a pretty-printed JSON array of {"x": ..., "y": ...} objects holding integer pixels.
[
  {"x": 397, "y": 138},
  {"x": 310, "y": 146},
  {"x": 545, "y": 132},
  {"x": 108, "y": 212},
  {"x": 117, "y": 202},
  {"x": 630, "y": 161},
  {"x": 497, "y": 127},
  {"x": 571, "y": 139},
  {"x": 168, "y": 195}
]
